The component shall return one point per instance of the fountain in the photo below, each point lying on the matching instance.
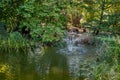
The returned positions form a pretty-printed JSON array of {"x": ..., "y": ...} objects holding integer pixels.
[
  {"x": 76, "y": 43},
  {"x": 77, "y": 50}
]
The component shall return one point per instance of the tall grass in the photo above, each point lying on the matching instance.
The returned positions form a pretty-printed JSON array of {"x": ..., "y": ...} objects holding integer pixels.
[
  {"x": 15, "y": 42},
  {"x": 108, "y": 67},
  {"x": 107, "y": 64}
]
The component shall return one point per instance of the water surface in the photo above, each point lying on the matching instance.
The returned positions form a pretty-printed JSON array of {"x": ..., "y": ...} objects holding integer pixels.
[{"x": 46, "y": 63}]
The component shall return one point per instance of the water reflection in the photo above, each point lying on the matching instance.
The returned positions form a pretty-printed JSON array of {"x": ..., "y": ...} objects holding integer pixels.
[
  {"x": 45, "y": 63},
  {"x": 21, "y": 66},
  {"x": 53, "y": 66}
]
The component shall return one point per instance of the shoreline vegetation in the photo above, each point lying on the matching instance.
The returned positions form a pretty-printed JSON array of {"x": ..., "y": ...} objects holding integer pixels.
[{"x": 23, "y": 23}]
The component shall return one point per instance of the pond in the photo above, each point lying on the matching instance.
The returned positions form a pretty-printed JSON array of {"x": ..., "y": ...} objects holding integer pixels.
[{"x": 46, "y": 63}]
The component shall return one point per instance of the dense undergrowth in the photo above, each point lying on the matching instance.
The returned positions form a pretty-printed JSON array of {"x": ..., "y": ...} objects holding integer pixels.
[
  {"x": 107, "y": 64},
  {"x": 108, "y": 67}
]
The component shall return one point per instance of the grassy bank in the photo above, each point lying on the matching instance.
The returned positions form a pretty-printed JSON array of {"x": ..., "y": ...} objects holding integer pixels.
[
  {"x": 15, "y": 42},
  {"x": 107, "y": 64}
]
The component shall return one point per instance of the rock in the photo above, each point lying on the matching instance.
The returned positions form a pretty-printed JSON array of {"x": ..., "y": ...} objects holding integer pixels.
[
  {"x": 80, "y": 38},
  {"x": 77, "y": 30}
]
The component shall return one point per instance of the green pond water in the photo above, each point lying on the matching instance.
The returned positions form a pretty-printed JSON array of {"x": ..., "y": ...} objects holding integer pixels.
[{"x": 46, "y": 63}]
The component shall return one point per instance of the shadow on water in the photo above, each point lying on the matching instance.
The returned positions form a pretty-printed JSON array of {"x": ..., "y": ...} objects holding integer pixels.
[
  {"x": 19, "y": 66},
  {"x": 53, "y": 66}
]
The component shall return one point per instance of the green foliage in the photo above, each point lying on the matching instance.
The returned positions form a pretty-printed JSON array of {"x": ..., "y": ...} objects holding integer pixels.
[
  {"x": 108, "y": 67},
  {"x": 15, "y": 42},
  {"x": 47, "y": 19},
  {"x": 9, "y": 14},
  {"x": 32, "y": 14},
  {"x": 110, "y": 49},
  {"x": 107, "y": 64}
]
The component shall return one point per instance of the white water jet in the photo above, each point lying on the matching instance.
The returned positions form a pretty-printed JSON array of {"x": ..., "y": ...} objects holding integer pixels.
[{"x": 73, "y": 45}]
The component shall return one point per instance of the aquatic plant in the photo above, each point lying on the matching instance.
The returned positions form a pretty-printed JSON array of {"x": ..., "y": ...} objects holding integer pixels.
[{"x": 15, "y": 42}]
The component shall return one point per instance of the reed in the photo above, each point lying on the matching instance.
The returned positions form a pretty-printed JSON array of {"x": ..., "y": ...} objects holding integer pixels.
[{"x": 15, "y": 42}]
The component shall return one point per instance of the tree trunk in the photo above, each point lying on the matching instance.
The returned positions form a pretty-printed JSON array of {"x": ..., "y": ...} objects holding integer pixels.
[{"x": 96, "y": 31}]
